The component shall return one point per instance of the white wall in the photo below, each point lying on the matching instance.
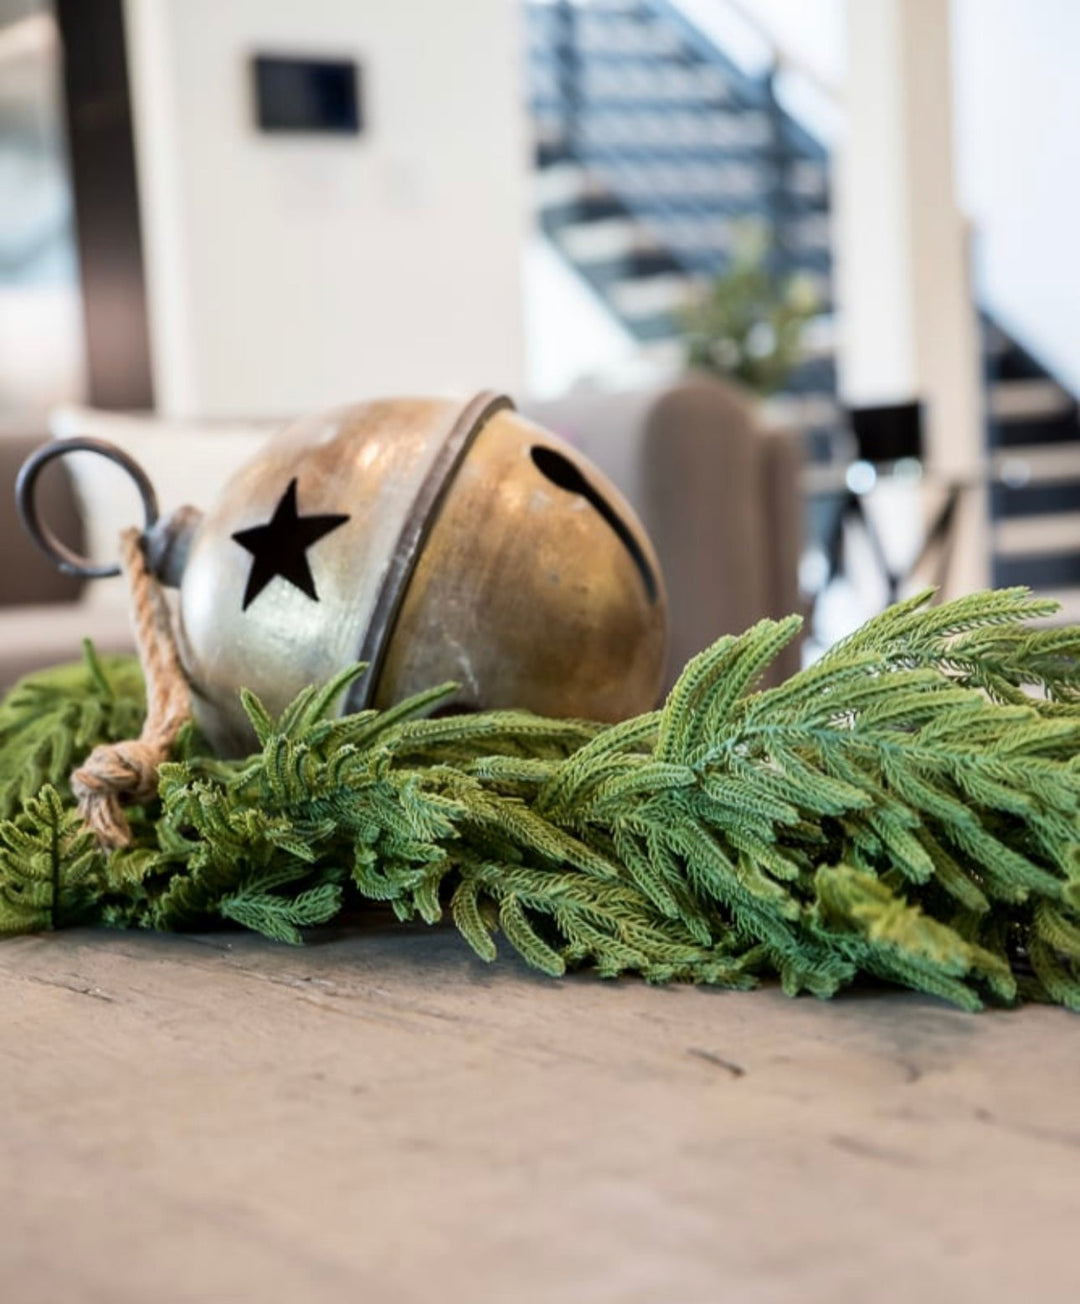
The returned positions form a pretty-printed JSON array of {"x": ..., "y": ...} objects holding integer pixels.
[
  {"x": 1018, "y": 145},
  {"x": 810, "y": 31},
  {"x": 289, "y": 274},
  {"x": 571, "y": 338}
]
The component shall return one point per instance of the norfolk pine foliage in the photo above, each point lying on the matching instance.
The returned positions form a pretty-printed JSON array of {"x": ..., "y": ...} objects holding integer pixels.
[{"x": 902, "y": 809}]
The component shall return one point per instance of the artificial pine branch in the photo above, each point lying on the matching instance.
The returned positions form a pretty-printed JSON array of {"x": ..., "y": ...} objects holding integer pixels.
[
  {"x": 904, "y": 808},
  {"x": 50, "y": 721}
]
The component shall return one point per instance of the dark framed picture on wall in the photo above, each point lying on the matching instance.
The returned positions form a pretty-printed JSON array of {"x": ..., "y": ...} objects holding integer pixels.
[{"x": 299, "y": 94}]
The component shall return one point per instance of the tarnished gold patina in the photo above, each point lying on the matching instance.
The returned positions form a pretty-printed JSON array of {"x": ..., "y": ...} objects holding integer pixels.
[{"x": 525, "y": 594}]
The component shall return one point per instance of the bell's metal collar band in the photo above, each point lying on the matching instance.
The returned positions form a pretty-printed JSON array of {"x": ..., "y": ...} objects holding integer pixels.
[
  {"x": 470, "y": 420},
  {"x": 65, "y": 560}
]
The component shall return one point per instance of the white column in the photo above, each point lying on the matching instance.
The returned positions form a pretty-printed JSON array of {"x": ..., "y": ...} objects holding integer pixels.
[{"x": 907, "y": 318}]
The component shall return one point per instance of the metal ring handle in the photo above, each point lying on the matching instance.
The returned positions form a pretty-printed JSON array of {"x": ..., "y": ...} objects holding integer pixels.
[{"x": 70, "y": 563}]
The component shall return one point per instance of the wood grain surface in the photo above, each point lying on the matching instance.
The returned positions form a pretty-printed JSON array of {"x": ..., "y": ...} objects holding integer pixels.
[{"x": 380, "y": 1117}]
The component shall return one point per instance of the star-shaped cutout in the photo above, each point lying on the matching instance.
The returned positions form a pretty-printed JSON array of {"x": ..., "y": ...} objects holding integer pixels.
[{"x": 280, "y": 547}]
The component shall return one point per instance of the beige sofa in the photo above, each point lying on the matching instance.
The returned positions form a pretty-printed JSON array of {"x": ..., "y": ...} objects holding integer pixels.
[{"x": 717, "y": 491}]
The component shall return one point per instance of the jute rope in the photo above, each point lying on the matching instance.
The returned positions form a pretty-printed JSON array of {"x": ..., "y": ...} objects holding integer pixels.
[{"x": 115, "y": 773}]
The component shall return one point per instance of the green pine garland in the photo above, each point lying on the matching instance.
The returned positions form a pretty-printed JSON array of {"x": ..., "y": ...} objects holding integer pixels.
[{"x": 902, "y": 809}]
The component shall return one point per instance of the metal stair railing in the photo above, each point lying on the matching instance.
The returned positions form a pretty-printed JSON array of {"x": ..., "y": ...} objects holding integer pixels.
[{"x": 628, "y": 140}]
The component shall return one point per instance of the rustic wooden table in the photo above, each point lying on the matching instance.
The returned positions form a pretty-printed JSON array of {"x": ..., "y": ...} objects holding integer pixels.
[{"x": 382, "y": 1118}]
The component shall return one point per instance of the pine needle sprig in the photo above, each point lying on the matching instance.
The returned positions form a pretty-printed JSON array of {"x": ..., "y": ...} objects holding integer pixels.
[
  {"x": 904, "y": 809},
  {"x": 50, "y": 867},
  {"x": 50, "y": 721}
]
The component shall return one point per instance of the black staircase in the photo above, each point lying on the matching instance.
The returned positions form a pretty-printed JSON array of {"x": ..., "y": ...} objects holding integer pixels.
[
  {"x": 1033, "y": 426},
  {"x": 653, "y": 146}
]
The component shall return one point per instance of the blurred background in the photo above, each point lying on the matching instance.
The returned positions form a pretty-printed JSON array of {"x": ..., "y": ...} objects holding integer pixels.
[{"x": 798, "y": 274}]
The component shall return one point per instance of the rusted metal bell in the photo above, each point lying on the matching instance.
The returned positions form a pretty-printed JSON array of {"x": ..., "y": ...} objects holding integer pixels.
[{"x": 442, "y": 542}]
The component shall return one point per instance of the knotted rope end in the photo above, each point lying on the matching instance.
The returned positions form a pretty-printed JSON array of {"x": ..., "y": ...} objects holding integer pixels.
[{"x": 124, "y": 772}]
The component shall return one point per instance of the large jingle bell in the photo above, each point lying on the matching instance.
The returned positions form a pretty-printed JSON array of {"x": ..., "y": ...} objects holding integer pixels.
[{"x": 433, "y": 540}]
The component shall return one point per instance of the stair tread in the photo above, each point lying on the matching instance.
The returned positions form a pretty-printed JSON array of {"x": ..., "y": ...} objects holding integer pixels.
[{"x": 1028, "y": 398}]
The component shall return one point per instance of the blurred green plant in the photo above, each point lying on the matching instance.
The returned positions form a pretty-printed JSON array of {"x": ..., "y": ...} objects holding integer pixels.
[{"x": 747, "y": 325}]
